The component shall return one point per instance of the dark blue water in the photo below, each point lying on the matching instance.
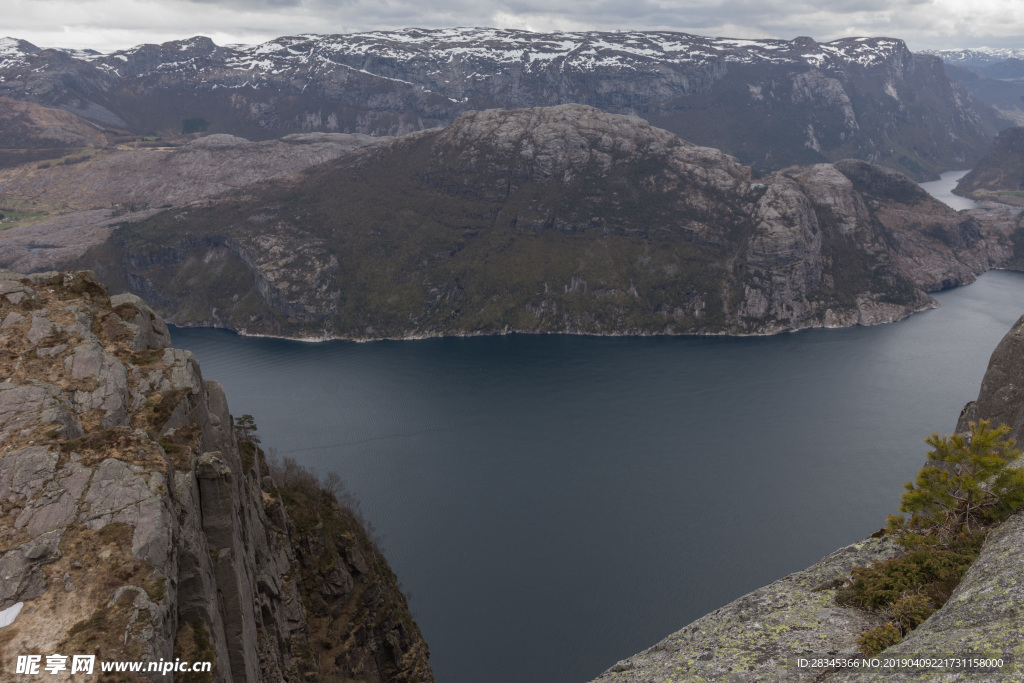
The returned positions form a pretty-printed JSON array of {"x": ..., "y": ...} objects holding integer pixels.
[{"x": 554, "y": 504}]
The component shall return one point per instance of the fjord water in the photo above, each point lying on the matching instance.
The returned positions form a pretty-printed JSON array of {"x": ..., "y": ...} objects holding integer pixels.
[
  {"x": 554, "y": 504},
  {"x": 943, "y": 189}
]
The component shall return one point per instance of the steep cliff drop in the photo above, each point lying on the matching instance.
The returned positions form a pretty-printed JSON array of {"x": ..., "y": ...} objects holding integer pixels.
[
  {"x": 999, "y": 175},
  {"x": 135, "y": 528},
  {"x": 762, "y": 635}
]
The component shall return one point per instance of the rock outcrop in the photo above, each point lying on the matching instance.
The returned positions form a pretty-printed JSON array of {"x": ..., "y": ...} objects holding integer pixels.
[
  {"x": 134, "y": 525},
  {"x": 84, "y": 200},
  {"x": 560, "y": 219},
  {"x": 760, "y": 636},
  {"x": 1001, "y": 399}
]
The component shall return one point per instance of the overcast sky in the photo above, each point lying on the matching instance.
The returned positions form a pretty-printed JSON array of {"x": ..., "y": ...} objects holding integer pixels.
[{"x": 112, "y": 24}]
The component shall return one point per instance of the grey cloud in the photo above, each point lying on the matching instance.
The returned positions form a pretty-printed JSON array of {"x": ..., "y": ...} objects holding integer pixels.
[
  {"x": 249, "y": 4},
  {"x": 265, "y": 19}
]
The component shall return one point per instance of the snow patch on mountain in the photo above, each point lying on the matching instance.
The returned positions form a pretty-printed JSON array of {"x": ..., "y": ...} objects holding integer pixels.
[
  {"x": 579, "y": 51},
  {"x": 978, "y": 56}
]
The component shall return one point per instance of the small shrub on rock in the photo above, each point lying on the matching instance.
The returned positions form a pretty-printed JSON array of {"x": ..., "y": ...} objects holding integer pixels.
[
  {"x": 877, "y": 639},
  {"x": 910, "y": 611},
  {"x": 970, "y": 484},
  {"x": 932, "y": 572}
]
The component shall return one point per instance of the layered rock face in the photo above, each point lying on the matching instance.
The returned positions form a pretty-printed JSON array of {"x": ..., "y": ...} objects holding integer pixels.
[
  {"x": 135, "y": 526},
  {"x": 1001, "y": 398},
  {"x": 559, "y": 219},
  {"x": 772, "y": 103}
]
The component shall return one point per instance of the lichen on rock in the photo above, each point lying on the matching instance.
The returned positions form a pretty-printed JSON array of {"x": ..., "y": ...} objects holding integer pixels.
[{"x": 759, "y": 636}]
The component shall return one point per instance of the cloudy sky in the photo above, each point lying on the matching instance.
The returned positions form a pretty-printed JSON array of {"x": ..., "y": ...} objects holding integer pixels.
[{"x": 112, "y": 24}]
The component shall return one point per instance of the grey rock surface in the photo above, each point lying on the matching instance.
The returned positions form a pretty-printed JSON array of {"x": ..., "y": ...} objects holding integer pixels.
[
  {"x": 1001, "y": 398},
  {"x": 981, "y": 619},
  {"x": 129, "y": 520},
  {"x": 759, "y": 636}
]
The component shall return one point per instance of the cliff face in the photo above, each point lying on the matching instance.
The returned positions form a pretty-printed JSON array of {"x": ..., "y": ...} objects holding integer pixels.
[
  {"x": 1001, "y": 398},
  {"x": 759, "y": 636},
  {"x": 999, "y": 176},
  {"x": 134, "y": 526},
  {"x": 990, "y": 75},
  {"x": 559, "y": 219}
]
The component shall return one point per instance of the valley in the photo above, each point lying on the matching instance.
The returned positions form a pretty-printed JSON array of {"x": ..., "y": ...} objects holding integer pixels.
[{"x": 576, "y": 421}]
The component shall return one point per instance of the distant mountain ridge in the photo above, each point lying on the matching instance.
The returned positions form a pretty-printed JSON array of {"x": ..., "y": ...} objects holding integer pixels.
[
  {"x": 994, "y": 76},
  {"x": 978, "y": 56},
  {"x": 771, "y": 103}
]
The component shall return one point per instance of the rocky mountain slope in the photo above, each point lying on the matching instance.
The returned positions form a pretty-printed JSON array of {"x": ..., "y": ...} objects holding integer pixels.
[
  {"x": 562, "y": 219},
  {"x": 173, "y": 174},
  {"x": 994, "y": 76},
  {"x": 1003, "y": 95},
  {"x": 31, "y": 132},
  {"x": 771, "y": 103},
  {"x": 136, "y": 526},
  {"x": 75, "y": 205},
  {"x": 31, "y": 126},
  {"x": 999, "y": 176},
  {"x": 759, "y": 636}
]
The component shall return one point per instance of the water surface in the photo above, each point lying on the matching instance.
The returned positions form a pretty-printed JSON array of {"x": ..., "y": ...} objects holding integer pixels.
[
  {"x": 554, "y": 504},
  {"x": 942, "y": 189}
]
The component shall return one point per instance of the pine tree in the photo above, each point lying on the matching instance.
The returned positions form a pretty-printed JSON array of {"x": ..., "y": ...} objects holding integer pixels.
[{"x": 974, "y": 482}]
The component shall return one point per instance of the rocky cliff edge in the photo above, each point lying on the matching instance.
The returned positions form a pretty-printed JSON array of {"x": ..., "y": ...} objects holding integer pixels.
[
  {"x": 135, "y": 527},
  {"x": 760, "y": 636}
]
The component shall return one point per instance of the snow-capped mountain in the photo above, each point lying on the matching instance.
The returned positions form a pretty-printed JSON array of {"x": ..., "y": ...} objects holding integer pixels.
[
  {"x": 770, "y": 102},
  {"x": 977, "y": 56}
]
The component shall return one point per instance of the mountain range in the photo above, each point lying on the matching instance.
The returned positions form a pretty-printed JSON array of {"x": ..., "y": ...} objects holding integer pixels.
[
  {"x": 467, "y": 181},
  {"x": 771, "y": 103},
  {"x": 994, "y": 76}
]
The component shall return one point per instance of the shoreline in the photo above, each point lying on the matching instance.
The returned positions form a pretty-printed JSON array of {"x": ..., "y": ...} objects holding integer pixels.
[{"x": 932, "y": 305}]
